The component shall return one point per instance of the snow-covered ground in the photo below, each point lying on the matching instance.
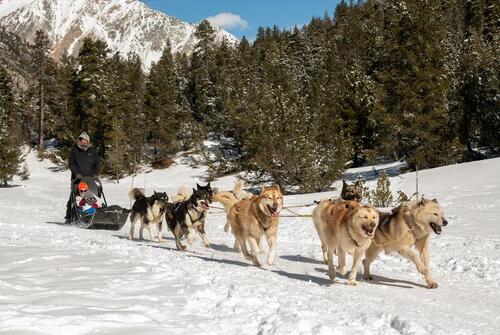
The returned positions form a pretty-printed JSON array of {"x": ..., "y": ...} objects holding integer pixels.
[{"x": 57, "y": 279}]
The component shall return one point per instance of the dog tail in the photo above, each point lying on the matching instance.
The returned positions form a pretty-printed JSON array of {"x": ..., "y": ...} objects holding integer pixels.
[
  {"x": 238, "y": 187},
  {"x": 182, "y": 194},
  {"x": 239, "y": 192},
  {"x": 136, "y": 193},
  {"x": 227, "y": 199}
]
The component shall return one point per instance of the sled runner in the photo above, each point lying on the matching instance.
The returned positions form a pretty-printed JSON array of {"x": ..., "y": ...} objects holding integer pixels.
[{"x": 103, "y": 217}]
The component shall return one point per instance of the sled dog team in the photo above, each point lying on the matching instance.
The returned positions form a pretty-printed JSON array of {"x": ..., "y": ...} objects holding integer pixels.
[{"x": 344, "y": 225}]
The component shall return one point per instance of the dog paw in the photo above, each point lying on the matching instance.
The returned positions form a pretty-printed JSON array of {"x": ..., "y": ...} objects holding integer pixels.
[
  {"x": 332, "y": 276},
  {"x": 368, "y": 277},
  {"x": 207, "y": 245},
  {"x": 342, "y": 270},
  {"x": 270, "y": 261},
  {"x": 432, "y": 285},
  {"x": 352, "y": 282},
  {"x": 256, "y": 261}
]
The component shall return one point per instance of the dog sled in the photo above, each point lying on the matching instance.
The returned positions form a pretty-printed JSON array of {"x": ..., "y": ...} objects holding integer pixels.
[{"x": 104, "y": 216}]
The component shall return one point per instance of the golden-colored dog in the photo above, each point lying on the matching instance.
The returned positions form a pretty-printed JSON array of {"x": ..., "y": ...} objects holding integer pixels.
[
  {"x": 252, "y": 218},
  {"x": 407, "y": 226},
  {"x": 345, "y": 226}
]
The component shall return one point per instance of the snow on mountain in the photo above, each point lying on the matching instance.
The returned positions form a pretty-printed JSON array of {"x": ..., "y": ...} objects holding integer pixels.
[
  {"x": 126, "y": 25},
  {"x": 57, "y": 279}
]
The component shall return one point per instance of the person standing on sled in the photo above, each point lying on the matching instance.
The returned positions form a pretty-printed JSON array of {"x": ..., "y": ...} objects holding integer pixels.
[{"x": 83, "y": 161}]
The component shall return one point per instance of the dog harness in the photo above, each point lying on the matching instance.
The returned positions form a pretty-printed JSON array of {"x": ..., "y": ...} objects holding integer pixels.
[{"x": 200, "y": 218}]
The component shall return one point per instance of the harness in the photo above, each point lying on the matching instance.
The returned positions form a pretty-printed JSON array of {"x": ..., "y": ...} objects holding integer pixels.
[
  {"x": 264, "y": 227},
  {"x": 200, "y": 218},
  {"x": 352, "y": 239}
]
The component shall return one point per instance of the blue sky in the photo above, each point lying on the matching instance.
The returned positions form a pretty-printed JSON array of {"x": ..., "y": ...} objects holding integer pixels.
[{"x": 243, "y": 17}]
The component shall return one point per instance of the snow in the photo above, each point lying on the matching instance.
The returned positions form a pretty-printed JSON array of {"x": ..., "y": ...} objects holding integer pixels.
[{"x": 56, "y": 279}]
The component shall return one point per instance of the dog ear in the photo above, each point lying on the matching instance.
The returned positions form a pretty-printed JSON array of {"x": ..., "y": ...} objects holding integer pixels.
[
  {"x": 344, "y": 184},
  {"x": 278, "y": 187},
  {"x": 194, "y": 190},
  {"x": 208, "y": 185},
  {"x": 434, "y": 200},
  {"x": 198, "y": 186},
  {"x": 357, "y": 183}
]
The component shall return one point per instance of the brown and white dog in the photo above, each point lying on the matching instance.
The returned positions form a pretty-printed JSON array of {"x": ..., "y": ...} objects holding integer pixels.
[
  {"x": 252, "y": 218},
  {"x": 407, "y": 226},
  {"x": 345, "y": 226}
]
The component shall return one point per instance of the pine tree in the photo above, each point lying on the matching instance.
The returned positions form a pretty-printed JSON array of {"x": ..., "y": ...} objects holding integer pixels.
[
  {"x": 116, "y": 152},
  {"x": 63, "y": 122},
  {"x": 161, "y": 107},
  {"x": 10, "y": 154},
  {"x": 42, "y": 66},
  {"x": 92, "y": 90},
  {"x": 417, "y": 83},
  {"x": 382, "y": 195},
  {"x": 478, "y": 84},
  {"x": 202, "y": 91},
  {"x": 134, "y": 122}
]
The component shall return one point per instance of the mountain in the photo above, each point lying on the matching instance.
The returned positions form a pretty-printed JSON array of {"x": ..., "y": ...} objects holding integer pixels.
[
  {"x": 126, "y": 25},
  {"x": 15, "y": 56}
]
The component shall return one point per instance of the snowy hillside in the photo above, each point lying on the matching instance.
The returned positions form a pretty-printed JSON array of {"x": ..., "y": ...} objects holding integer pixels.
[
  {"x": 126, "y": 25},
  {"x": 56, "y": 279}
]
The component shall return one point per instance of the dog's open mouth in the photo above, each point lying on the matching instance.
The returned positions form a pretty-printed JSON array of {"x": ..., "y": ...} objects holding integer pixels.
[
  {"x": 273, "y": 210},
  {"x": 204, "y": 205},
  {"x": 437, "y": 229},
  {"x": 369, "y": 230}
]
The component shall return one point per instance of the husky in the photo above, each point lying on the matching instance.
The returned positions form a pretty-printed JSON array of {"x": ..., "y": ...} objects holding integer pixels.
[
  {"x": 351, "y": 192},
  {"x": 188, "y": 215},
  {"x": 147, "y": 210},
  {"x": 345, "y": 226},
  {"x": 408, "y": 225},
  {"x": 252, "y": 218}
]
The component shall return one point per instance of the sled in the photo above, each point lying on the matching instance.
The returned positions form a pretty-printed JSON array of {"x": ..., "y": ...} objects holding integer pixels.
[{"x": 105, "y": 217}]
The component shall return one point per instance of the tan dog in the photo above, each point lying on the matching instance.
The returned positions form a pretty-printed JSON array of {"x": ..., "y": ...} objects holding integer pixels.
[
  {"x": 345, "y": 226},
  {"x": 407, "y": 226},
  {"x": 251, "y": 218}
]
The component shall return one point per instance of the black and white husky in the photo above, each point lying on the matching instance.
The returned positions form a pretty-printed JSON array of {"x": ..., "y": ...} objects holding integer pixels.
[
  {"x": 186, "y": 216},
  {"x": 147, "y": 210}
]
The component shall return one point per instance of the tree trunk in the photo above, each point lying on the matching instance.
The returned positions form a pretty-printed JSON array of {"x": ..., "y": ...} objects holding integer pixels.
[{"x": 42, "y": 110}]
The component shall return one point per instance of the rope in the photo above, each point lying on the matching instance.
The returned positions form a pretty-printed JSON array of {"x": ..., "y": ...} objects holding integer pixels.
[
  {"x": 300, "y": 206},
  {"x": 287, "y": 208},
  {"x": 295, "y": 214},
  {"x": 218, "y": 212}
]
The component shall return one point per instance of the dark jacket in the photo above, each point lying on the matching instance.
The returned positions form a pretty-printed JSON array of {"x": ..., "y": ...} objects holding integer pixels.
[{"x": 83, "y": 162}]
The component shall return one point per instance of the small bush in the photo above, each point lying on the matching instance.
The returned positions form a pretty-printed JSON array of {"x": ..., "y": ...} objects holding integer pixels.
[{"x": 24, "y": 173}]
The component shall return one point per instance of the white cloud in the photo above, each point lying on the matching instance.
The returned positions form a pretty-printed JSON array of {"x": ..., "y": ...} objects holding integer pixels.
[{"x": 227, "y": 21}]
